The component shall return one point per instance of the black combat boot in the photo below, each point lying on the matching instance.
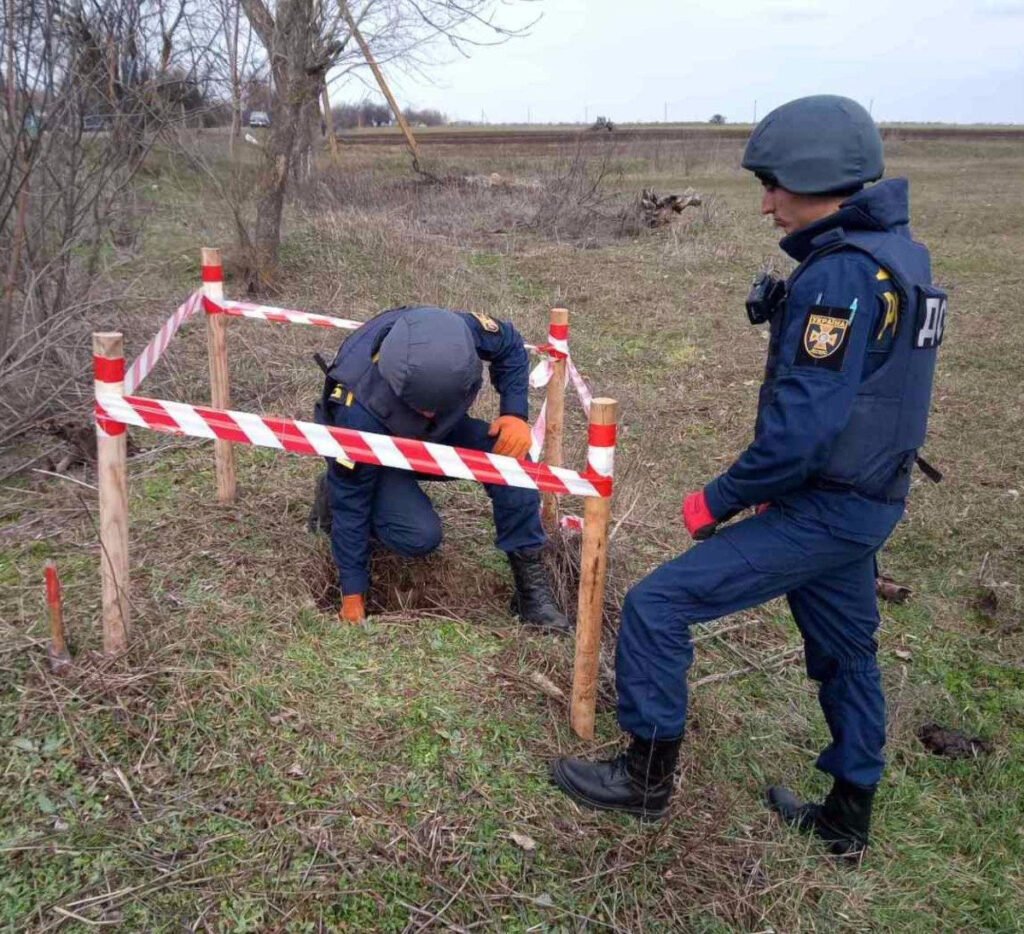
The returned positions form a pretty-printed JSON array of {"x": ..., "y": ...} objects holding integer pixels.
[
  {"x": 638, "y": 781},
  {"x": 842, "y": 821},
  {"x": 320, "y": 512},
  {"x": 533, "y": 602}
]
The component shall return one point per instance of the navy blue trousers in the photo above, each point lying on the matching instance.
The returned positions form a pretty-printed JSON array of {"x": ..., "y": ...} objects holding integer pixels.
[
  {"x": 830, "y": 585},
  {"x": 404, "y": 518}
]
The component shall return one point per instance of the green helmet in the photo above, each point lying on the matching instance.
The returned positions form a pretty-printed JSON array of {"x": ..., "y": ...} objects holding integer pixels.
[{"x": 816, "y": 145}]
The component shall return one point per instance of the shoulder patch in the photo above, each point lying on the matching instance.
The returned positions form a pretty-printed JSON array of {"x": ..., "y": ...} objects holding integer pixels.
[
  {"x": 487, "y": 322},
  {"x": 824, "y": 338}
]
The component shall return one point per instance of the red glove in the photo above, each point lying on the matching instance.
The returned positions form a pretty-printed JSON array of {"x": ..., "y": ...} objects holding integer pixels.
[{"x": 697, "y": 517}]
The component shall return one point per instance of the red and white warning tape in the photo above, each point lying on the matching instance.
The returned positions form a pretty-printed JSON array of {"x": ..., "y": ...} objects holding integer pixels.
[
  {"x": 557, "y": 348},
  {"x": 116, "y": 408},
  {"x": 144, "y": 363},
  {"x": 359, "y": 446},
  {"x": 279, "y": 315}
]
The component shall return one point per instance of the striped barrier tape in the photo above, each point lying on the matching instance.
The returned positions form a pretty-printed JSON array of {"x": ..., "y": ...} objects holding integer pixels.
[
  {"x": 143, "y": 365},
  {"x": 362, "y": 447},
  {"x": 557, "y": 348},
  {"x": 278, "y": 315},
  {"x": 115, "y": 410}
]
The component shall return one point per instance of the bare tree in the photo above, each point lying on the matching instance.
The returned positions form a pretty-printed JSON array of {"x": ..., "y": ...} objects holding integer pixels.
[
  {"x": 303, "y": 41},
  {"x": 87, "y": 92}
]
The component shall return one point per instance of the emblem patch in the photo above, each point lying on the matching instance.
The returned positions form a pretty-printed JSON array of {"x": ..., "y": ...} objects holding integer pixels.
[
  {"x": 487, "y": 322},
  {"x": 824, "y": 338}
]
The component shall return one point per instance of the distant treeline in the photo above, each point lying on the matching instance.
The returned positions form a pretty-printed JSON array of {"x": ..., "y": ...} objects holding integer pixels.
[{"x": 368, "y": 113}]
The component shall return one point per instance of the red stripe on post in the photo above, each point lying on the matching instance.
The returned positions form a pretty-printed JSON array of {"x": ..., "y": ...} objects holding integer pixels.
[
  {"x": 52, "y": 586},
  {"x": 558, "y": 332},
  {"x": 108, "y": 369},
  {"x": 213, "y": 273},
  {"x": 602, "y": 436}
]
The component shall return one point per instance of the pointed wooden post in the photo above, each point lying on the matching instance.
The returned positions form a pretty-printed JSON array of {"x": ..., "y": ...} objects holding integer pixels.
[
  {"x": 593, "y": 565},
  {"x": 220, "y": 381},
  {"x": 112, "y": 475},
  {"x": 57, "y": 652},
  {"x": 558, "y": 337}
]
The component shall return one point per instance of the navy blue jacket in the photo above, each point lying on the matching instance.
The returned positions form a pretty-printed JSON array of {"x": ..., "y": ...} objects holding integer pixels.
[
  {"x": 353, "y": 486},
  {"x": 844, "y": 404}
]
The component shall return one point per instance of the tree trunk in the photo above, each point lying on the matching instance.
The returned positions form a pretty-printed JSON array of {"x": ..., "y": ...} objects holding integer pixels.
[{"x": 292, "y": 43}]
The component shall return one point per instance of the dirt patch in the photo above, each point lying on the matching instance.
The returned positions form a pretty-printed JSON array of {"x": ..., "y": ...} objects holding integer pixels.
[{"x": 952, "y": 743}]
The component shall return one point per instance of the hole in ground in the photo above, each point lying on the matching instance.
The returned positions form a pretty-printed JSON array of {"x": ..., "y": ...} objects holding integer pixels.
[{"x": 445, "y": 581}]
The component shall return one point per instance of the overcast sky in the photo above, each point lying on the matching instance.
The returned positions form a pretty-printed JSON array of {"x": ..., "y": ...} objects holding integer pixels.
[{"x": 917, "y": 60}]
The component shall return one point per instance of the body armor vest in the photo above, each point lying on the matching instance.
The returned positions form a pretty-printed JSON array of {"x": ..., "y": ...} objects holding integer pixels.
[{"x": 875, "y": 452}]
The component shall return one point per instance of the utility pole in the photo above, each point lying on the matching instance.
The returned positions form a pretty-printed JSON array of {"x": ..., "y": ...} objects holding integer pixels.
[
  {"x": 527, "y": 114},
  {"x": 755, "y": 110},
  {"x": 664, "y": 118},
  {"x": 378, "y": 74},
  {"x": 586, "y": 114}
]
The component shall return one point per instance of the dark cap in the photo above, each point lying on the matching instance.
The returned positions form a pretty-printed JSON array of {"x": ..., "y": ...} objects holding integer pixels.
[
  {"x": 816, "y": 145},
  {"x": 429, "y": 360}
]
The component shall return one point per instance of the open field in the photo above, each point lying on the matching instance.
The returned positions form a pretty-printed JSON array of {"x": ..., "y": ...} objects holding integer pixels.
[
  {"x": 253, "y": 766},
  {"x": 629, "y": 133}
]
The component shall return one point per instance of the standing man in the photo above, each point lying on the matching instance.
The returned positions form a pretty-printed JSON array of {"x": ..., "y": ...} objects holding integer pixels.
[
  {"x": 415, "y": 372},
  {"x": 854, "y": 333}
]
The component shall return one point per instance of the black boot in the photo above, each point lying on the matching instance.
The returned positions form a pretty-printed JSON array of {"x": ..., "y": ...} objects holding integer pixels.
[
  {"x": 638, "y": 781},
  {"x": 320, "y": 512},
  {"x": 843, "y": 821},
  {"x": 533, "y": 602}
]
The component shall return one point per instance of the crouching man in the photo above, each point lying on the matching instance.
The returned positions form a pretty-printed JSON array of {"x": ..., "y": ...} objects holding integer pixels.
[
  {"x": 414, "y": 372},
  {"x": 854, "y": 334}
]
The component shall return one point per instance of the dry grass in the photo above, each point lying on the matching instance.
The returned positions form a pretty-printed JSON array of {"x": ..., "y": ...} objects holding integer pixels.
[{"x": 254, "y": 766}]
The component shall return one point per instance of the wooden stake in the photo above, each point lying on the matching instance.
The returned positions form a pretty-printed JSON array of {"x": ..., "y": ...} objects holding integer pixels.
[
  {"x": 220, "y": 381},
  {"x": 112, "y": 470},
  {"x": 332, "y": 140},
  {"x": 553, "y": 438},
  {"x": 382, "y": 84},
  {"x": 593, "y": 565},
  {"x": 57, "y": 651}
]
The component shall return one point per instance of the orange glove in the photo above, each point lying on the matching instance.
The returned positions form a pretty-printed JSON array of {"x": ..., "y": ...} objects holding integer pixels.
[
  {"x": 513, "y": 436},
  {"x": 353, "y": 610}
]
